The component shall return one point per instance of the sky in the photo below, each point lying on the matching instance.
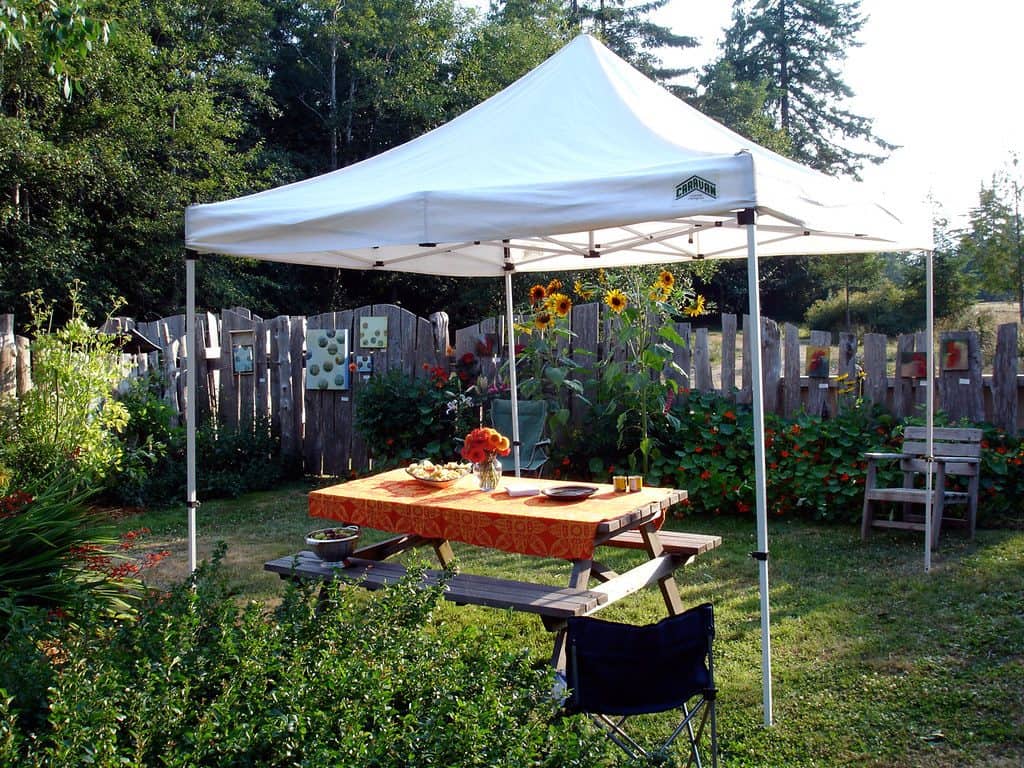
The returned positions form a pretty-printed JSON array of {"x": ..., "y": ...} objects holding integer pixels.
[{"x": 942, "y": 80}]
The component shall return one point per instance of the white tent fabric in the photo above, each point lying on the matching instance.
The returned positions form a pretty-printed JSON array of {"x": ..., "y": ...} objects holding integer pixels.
[{"x": 582, "y": 163}]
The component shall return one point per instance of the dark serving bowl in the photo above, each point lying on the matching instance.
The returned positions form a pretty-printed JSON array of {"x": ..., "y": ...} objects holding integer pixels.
[{"x": 333, "y": 544}]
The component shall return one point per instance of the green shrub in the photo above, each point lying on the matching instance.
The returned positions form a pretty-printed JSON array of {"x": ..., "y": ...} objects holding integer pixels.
[
  {"x": 148, "y": 440},
  {"x": 70, "y": 412},
  {"x": 881, "y": 310},
  {"x": 363, "y": 680},
  {"x": 403, "y": 418}
]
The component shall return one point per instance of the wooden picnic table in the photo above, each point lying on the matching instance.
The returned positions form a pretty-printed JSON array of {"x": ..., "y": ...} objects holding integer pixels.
[{"x": 531, "y": 525}]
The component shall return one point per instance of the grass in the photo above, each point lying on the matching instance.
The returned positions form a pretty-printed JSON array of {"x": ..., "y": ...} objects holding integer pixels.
[{"x": 875, "y": 663}]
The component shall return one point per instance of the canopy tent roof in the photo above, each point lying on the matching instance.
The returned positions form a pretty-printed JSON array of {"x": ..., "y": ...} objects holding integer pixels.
[{"x": 581, "y": 163}]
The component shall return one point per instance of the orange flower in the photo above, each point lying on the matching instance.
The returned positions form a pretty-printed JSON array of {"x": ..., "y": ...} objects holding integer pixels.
[
  {"x": 537, "y": 293},
  {"x": 554, "y": 285}
]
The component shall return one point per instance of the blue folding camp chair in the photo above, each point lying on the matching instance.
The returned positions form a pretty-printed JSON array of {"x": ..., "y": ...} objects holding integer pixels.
[
  {"x": 615, "y": 671},
  {"x": 533, "y": 446}
]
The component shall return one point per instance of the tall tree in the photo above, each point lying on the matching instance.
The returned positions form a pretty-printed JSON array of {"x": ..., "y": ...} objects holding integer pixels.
[
  {"x": 627, "y": 28},
  {"x": 992, "y": 240},
  {"x": 162, "y": 119},
  {"x": 796, "y": 48}
]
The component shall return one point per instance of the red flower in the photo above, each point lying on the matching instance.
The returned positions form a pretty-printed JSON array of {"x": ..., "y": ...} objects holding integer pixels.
[
  {"x": 844, "y": 477},
  {"x": 784, "y": 454},
  {"x": 729, "y": 415},
  {"x": 705, "y": 475}
]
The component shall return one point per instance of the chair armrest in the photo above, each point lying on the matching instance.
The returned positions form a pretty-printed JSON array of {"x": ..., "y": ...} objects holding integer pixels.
[
  {"x": 958, "y": 459},
  {"x": 892, "y": 456}
]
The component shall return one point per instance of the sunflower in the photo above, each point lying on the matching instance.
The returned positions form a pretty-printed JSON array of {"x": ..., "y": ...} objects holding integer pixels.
[
  {"x": 666, "y": 280},
  {"x": 616, "y": 299},
  {"x": 559, "y": 303},
  {"x": 658, "y": 293},
  {"x": 537, "y": 293},
  {"x": 543, "y": 320},
  {"x": 583, "y": 292},
  {"x": 554, "y": 285},
  {"x": 601, "y": 278},
  {"x": 696, "y": 308}
]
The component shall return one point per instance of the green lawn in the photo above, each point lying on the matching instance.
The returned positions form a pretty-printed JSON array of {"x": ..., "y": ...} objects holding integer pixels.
[{"x": 875, "y": 662}]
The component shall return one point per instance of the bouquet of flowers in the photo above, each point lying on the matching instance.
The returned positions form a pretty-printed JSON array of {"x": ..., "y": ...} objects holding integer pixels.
[{"x": 483, "y": 444}]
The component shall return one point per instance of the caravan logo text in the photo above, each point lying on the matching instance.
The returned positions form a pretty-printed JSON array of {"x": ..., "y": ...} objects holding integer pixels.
[{"x": 696, "y": 187}]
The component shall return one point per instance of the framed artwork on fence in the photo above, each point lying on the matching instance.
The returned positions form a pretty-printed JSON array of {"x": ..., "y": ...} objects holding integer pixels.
[
  {"x": 243, "y": 357},
  {"x": 954, "y": 355},
  {"x": 818, "y": 362},
  {"x": 373, "y": 332},
  {"x": 913, "y": 365},
  {"x": 327, "y": 359}
]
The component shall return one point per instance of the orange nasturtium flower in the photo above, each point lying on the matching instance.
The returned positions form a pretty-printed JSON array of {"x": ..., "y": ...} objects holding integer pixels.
[
  {"x": 537, "y": 293},
  {"x": 616, "y": 299},
  {"x": 559, "y": 303}
]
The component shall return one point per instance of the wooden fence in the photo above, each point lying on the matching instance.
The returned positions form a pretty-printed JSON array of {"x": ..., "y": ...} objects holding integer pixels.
[{"x": 316, "y": 425}]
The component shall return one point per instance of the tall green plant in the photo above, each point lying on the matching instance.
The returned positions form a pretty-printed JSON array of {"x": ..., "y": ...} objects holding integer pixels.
[
  {"x": 638, "y": 376},
  {"x": 69, "y": 418}
]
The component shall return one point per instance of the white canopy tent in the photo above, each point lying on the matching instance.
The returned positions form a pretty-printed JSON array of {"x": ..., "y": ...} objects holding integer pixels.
[{"x": 582, "y": 163}]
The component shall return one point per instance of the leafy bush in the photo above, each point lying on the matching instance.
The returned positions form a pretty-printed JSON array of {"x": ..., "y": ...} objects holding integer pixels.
[
  {"x": 148, "y": 440},
  {"x": 403, "y": 418},
  {"x": 69, "y": 413},
  {"x": 196, "y": 680},
  {"x": 881, "y": 310}
]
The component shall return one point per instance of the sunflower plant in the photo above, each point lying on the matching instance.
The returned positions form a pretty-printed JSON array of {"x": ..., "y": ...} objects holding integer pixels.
[
  {"x": 545, "y": 369},
  {"x": 635, "y": 376}
]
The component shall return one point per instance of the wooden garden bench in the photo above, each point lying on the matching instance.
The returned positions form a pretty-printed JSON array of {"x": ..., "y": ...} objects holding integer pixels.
[{"x": 957, "y": 454}]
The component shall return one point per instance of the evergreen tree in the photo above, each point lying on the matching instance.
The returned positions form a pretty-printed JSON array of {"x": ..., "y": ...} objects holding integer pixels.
[
  {"x": 992, "y": 241},
  {"x": 628, "y": 30},
  {"x": 795, "y": 48}
]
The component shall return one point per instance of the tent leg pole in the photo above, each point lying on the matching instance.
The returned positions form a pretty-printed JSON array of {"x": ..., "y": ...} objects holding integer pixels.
[
  {"x": 748, "y": 217},
  {"x": 929, "y": 406},
  {"x": 190, "y": 407},
  {"x": 513, "y": 382}
]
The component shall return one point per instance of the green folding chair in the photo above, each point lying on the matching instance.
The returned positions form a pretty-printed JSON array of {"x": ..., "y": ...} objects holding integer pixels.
[{"x": 533, "y": 446}]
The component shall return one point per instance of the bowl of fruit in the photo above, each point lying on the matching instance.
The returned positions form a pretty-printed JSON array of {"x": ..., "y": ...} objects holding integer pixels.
[{"x": 438, "y": 475}]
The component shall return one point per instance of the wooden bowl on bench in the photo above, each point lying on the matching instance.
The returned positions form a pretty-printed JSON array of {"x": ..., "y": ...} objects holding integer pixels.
[{"x": 333, "y": 544}]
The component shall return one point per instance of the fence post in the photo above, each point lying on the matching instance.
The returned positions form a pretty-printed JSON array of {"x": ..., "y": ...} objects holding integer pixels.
[
  {"x": 818, "y": 389},
  {"x": 1004, "y": 379},
  {"x": 702, "y": 379},
  {"x": 745, "y": 394},
  {"x": 903, "y": 394}
]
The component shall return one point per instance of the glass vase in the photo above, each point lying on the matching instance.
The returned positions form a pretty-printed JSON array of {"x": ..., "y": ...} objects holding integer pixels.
[{"x": 488, "y": 473}]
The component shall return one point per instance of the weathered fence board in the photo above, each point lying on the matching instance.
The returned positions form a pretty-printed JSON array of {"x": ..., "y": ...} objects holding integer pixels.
[
  {"x": 818, "y": 389},
  {"x": 1004, "y": 378},
  {"x": 960, "y": 389},
  {"x": 791, "y": 400},
  {"x": 702, "y": 378},
  {"x": 729, "y": 355},
  {"x": 876, "y": 381}
]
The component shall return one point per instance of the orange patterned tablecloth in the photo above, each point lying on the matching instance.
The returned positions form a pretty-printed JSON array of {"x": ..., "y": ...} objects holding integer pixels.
[{"x": 532, "y": 525}]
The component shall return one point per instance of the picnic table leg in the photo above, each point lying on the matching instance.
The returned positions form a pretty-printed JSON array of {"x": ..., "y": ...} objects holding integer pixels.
[
  {"x": 667, "y": 585},
  {"x": 444, "y": 552},
  {"x": 578, "y": 579}
]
